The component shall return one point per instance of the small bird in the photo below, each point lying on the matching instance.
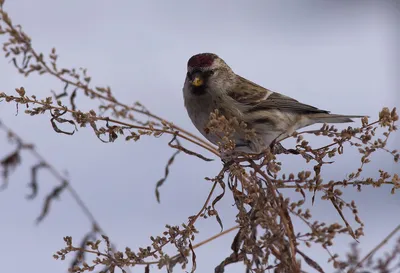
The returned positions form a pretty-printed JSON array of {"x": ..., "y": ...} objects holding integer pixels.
[{"x": 211, "y": 84}]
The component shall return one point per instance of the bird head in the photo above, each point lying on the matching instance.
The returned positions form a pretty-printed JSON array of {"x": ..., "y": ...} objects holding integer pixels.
[{"x": 207, "y": 72}]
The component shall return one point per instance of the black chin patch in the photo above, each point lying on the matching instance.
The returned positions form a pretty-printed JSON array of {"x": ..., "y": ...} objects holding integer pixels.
[{"x": 199, "y": 90}]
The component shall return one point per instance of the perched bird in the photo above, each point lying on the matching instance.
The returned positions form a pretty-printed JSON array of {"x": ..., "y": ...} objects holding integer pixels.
[{"x": 211, "y": 84}]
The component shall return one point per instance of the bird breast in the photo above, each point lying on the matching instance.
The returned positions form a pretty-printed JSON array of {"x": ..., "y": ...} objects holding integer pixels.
[{"x": 199, "y": 109}]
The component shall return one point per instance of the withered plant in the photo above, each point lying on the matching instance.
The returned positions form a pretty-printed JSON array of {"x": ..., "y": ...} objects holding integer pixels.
[{"x": 266, "y": 238}]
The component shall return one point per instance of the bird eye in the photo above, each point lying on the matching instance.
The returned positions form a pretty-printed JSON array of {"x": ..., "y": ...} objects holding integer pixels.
[
  {"x": 211, "y": 72},
  {"x": 188, "y": 75}
]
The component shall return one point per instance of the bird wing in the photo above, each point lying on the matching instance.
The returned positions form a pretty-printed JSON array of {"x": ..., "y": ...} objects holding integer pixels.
[
  {"x": 248, "y": 92},
  {"x": 258, "y": 98}
]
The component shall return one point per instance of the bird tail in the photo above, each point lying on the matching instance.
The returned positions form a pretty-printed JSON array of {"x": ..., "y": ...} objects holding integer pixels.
[{"x": 332, "y": 118}]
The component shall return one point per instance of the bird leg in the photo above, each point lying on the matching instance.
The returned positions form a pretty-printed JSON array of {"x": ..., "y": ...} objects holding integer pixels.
[{"x": 279, "y": 149}]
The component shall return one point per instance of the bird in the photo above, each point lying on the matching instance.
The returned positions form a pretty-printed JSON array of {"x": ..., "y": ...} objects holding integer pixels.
[{"x": 211, "y": 84}]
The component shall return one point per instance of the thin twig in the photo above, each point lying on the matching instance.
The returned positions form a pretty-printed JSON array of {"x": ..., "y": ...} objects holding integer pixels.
[
  {"x": 60, "y": 178},
  {"x": 282, "y": 213},
  {"x": 107, "y": 119},
  {"x": 375, "y": 249},
  {"x": 86, "y": 89}
]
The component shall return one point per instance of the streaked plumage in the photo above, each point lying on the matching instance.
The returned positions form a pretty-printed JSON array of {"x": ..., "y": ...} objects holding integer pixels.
[{"x": 211, "y": 84}]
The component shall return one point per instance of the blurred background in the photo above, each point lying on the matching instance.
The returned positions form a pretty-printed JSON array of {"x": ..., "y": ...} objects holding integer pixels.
[{"x": 337, "y": 55}]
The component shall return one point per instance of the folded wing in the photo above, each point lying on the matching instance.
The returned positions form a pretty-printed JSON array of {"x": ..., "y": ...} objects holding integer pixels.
[{"x": 258, "y": 98}]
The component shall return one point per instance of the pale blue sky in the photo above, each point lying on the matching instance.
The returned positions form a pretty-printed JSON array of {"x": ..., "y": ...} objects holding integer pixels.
[{"x": 335, "y": 55}]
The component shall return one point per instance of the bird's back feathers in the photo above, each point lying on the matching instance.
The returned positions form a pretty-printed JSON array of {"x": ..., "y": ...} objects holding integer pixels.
[
  {"x": 277, "y": 101},
  {"x": 259, "y": 98}
]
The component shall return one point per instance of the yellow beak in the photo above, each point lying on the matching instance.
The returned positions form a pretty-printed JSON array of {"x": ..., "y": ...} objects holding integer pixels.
[{"x": 197, "y": 82}]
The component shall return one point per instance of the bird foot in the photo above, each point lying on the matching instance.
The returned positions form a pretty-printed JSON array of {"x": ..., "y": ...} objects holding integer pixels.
[{"x": 277, "y": 149}]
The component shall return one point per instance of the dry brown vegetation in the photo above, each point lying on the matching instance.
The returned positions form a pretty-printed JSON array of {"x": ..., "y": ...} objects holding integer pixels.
[{"x": 266, "y": 237}]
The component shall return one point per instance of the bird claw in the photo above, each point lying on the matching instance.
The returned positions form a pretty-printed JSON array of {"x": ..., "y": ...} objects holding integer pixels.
[
  {"x": 279, "y": 149},
  {"x": 307, "y": 157}
]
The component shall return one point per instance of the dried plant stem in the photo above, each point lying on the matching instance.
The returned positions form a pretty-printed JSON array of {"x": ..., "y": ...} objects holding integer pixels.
[
  {"x": 85, "y": 88},
  {"x": 212, "y": 150},
  {"x": 335, "y": 184},
  {"x": 212, "y": 238},
  {"x": 194, "y": 219},
  {"x": 85, "y": 209},
  {"x": 282, "y": 213},
  {"x": 375, "y": 249},
  {"x": 207, "y": 147}
]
